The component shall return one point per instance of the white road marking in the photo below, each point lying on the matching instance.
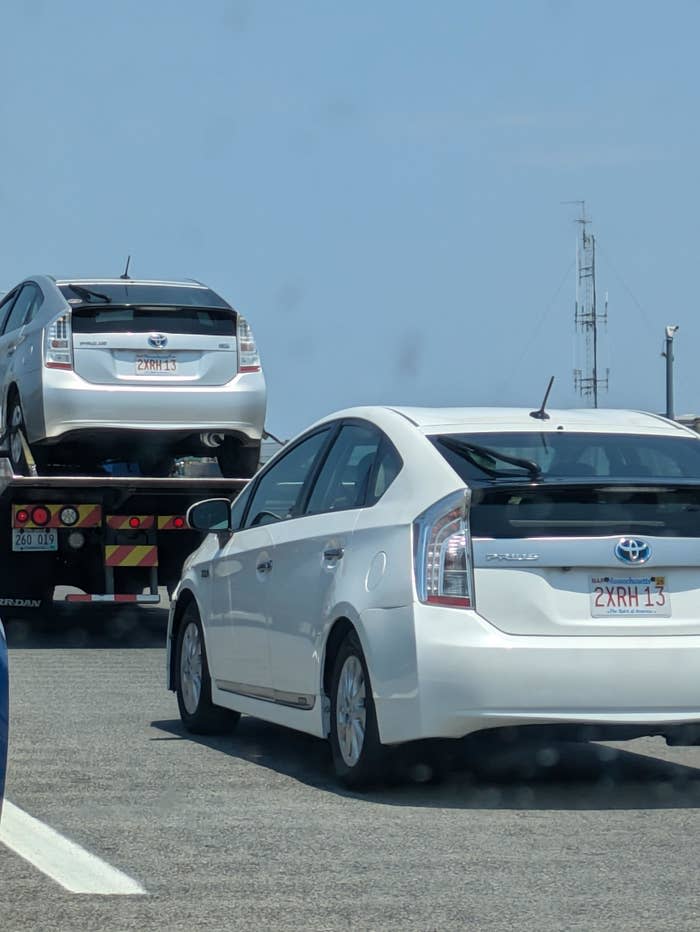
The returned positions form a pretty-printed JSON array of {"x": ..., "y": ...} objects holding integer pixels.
[{"x": 62, "y": 860}]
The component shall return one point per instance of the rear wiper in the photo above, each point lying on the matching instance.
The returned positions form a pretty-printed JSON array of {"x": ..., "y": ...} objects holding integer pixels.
[
  {"x": 87, "y": 294},
  {"x": 471, "y": 450}
]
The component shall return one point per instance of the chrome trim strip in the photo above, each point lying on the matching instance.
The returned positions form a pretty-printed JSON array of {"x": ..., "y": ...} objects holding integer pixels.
[{"x": 267, "y": 694}]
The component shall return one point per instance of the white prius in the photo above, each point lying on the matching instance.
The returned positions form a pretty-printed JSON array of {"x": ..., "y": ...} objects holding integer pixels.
[{"x": 397, "y": 574}]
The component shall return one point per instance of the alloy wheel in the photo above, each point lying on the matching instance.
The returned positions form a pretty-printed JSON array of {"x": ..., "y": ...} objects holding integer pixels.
[
  {"x": 191, "y": 667},
  {"x": 351, "y": 715}
]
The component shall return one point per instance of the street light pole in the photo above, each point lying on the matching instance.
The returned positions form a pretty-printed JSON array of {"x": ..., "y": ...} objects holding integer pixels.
[{"x": 668, "y": 353}]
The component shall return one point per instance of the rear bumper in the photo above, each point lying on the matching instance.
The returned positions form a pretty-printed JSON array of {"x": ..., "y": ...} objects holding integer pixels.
[
  {"x": 73, "y": 405},
  {"x": 470, "y": 677}
]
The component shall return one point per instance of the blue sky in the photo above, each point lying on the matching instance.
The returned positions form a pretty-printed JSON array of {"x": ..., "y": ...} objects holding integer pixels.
[{"x": 376, "y": 185}]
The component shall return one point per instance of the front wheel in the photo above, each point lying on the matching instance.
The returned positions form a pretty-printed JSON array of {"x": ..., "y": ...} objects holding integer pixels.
[
  {"x": 358, "y": 755},
  {"x": 15, "y": 433},
  {"x": 198, "y": 713}
]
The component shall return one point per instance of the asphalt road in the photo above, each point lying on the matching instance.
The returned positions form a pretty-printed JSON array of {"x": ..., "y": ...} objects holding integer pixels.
[{"x": 251, "y": 831}]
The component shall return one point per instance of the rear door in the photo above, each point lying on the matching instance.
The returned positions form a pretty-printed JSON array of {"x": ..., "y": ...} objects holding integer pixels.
[{"x": 142, "y": 345}]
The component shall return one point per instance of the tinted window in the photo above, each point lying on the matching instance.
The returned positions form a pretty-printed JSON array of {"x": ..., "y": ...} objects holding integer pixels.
[
  {"x": 564, "y": 454},
  {"x": 6, "y": 306},
  {"x": 584, "y": 511},
  {"x": 387, "y": 469},
  {"x": 107, "y": 319},
  {"x": 23, "y": 308},
  {"x": 279, "y": 489},
  {"x": 344, "y": 478},
  {"x": 139, "y": 293}
]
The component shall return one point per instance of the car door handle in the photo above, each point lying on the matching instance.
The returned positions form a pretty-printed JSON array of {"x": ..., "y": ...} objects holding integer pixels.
[
  {"x": 264, "y": 566},
  {"x": 333, "y": 553}
]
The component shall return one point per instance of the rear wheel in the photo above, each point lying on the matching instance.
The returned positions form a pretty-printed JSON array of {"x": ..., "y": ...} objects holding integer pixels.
[
  {"x": 358, "y": 755},
  {"x": 237, "y": 461},
  {"x": 198, "y": 713},
  {"x": 15, "y": 432}
]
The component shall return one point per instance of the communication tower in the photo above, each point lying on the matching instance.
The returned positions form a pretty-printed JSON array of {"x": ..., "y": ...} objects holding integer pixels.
[{"x": 590, "y": 323}]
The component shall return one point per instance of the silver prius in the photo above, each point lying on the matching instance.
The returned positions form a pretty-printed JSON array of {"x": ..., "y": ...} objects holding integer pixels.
[{"x": 100, "y": 370}]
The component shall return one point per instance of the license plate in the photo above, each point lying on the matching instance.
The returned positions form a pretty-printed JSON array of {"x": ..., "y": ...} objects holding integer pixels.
[
  {"x": 629, "y": 595},
  {"x": 34, "y": 540},
  {"x": 163, "y": 365}
]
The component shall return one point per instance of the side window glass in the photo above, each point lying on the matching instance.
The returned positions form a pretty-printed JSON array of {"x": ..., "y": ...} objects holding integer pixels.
[
  {"x": 388, "y": 468},
  {"x": 35, "y": 305},
  {"x": 238, "y": 507},
  {"x": 344, "y": 478},
  {"x": 6, "y": 307},
  {"x": 279, "y": 489},
  {"x": 21, "y": 308}
]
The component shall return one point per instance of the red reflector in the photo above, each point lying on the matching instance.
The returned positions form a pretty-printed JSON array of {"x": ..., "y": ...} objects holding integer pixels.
[
  {"x": 41, "y": 515},
  {"x": 22, "y": 516},
  {"x": 134, "y": 522},
  {"x": 249, "y": 368},
  {"x": 179, "y": 522},
  {"x": 452, "y": 600}
]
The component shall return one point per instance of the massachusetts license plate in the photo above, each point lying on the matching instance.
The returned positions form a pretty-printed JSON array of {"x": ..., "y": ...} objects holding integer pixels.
[
  {"x": 32, "y": 539},
  {"x": 629, "y": 595},
  {"x": 160, "y": 364}
]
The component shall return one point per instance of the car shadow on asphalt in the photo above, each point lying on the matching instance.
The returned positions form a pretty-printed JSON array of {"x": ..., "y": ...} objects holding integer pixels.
[
  {"x": 527, "y": 775},
  {"x": 94, "y": 626}
]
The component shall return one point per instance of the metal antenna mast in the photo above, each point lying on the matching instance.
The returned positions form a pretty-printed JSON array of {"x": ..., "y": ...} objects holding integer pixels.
[{"x": 588, "y": 380}]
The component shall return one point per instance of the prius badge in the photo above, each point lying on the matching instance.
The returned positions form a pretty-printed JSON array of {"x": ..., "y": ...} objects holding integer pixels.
[
  {"x": 632, "y": 550},
  {"x": 513, "y": 557},
  {"x": 157, "y": 340}
]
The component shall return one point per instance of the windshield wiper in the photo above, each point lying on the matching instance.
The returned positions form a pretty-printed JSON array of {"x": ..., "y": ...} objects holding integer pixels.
[
  {"x": 87, "y": 294},
  {"x": 470, "y": 451}
]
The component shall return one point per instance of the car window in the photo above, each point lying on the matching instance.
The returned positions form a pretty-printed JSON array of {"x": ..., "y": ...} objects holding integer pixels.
[
  {"x": 344, "y": 478},
  {"x": 22, "y": 308},
  {"x": 388, "y": 467},
  {"x": 6, "y": 307},
  {"x": 238, "y": 507},
  {"x": 279, "y": 489},
  {"x": 571, "y": 455}
]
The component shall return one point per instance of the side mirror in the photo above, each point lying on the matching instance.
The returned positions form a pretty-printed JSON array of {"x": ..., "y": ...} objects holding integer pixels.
[{"x": 214, "y": 514}]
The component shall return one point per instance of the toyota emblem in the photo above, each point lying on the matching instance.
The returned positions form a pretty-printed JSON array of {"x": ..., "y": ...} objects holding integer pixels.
[
  {"x": 632, "y": 550},
  {"x": 157, "y": 340}
]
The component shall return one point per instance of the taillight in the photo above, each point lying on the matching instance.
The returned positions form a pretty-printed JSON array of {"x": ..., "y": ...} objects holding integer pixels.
[
  {"x": 442, "y": 553},
  {"x": 248, "y": 356},
  {"x": 41, "y": 516},
  {"x": 58, "y": 343}
]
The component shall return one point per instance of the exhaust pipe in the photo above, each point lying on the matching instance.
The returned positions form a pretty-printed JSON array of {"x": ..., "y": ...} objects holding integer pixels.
[{"x": 212, "y": 439}]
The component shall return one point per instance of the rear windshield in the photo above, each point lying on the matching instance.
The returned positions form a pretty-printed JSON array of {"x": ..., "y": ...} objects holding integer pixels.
[
  {"x": 579, "y": 509},
  {"x": 189, "y": 320},
  {"x": 140, "y": 293},
  {"x": 562, "y": 454}
]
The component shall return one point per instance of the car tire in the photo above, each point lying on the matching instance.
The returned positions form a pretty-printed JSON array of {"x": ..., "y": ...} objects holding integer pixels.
[
  {"x": 15, "y": 427},
  {"x": 358, "y": 755},
  {"x": 236, "y": 461},
  {"x": 198, "y": 713}
]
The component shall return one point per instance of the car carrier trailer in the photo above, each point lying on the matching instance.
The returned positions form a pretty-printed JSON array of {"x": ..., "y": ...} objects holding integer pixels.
[{"x": 116, "y": 538}]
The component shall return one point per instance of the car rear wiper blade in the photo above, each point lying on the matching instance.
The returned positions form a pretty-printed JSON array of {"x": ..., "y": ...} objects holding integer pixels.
[
  {"x": 471, "y": 450},
  {"x": 87, "y": 294}
]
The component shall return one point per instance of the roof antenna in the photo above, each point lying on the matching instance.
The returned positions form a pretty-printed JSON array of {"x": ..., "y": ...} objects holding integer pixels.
[
  {"x": 125, "y": 273},
  {"x": 541, "y": 414}
]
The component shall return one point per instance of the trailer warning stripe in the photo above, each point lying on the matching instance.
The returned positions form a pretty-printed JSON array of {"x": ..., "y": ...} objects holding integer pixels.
[
  {"x": 128, "y": 555},
  {"x": 172, "y": 523},
  {"x": 130, "y": 522},
  {"x": 88, "y": 515}
]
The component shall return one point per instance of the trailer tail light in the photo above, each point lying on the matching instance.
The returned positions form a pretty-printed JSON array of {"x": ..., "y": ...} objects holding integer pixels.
[
  {"x": 22, "y": 516},
  {"x": 41, "y": 515},
  {"x": 58, "y": 343},
  {"x": 134, "y": 522},
  {"x": 442, "y": 553},
  {"x": 248, "y": 356},
  {"x": 68, "y": 516}
]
